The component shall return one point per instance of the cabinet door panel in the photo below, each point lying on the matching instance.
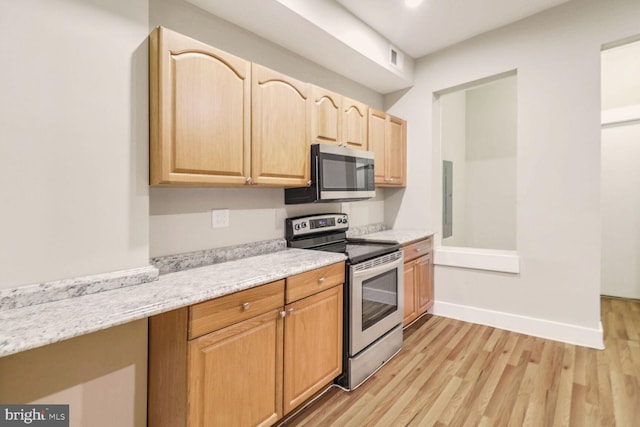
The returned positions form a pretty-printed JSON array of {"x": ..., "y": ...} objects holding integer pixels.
[
  {"x": 410, "y": 303},
  {"x": 377, "y": 136},
  {"x": 396, "y": 151},
  {"x": 325, "y": 116},
  {"x": 200, "y": 121},
  {"x": 280, "y": 143},
  {"x": 313, "y": 345},
  {"x": 235, "y": 374},
  {"x": 424, "y": 283},
  {"x": 354, "y": 123}
]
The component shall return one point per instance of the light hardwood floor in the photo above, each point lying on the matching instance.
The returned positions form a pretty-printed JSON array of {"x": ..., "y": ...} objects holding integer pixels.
[{"x": 452, "y": 373}]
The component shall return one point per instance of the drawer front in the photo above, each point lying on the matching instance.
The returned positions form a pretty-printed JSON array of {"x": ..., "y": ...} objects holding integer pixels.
[
  {"x": 417, "y": 249},
  {"x": 221, "y": 312},
  {"x": 309, "y": 283}
]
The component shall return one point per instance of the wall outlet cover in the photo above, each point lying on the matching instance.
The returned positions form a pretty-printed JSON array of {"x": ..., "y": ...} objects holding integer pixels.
[{"x": 219, "y": 218}]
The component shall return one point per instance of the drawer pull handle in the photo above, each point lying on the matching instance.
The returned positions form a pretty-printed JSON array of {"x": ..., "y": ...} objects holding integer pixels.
[
  {"x": 283, "y": 313},
  {"x": 245, "y": 306},
  {"x": 321, "y": 280},
  {"x": 291, "y": 310}
]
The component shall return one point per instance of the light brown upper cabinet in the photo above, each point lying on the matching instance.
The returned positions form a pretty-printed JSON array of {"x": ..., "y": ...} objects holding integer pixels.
[
  {"x": 354, "y": 123},
  {"x": 337, "y": 120},
  {"x": 280, "y": 120},
  {"x": 200, "y": 122},
  {"x": 325, "y": 116},
  {"x": 388, "y": 141},
  {"x": 216, "y": 119}
]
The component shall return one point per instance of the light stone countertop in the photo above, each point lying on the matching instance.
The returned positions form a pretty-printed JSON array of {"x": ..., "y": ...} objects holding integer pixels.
[
  {"x": 401, "y": 236},
  {"x": 37, "y": 325}
]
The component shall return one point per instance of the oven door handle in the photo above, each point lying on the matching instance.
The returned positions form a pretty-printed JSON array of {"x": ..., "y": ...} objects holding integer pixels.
[{"x": 374, "y": 271}]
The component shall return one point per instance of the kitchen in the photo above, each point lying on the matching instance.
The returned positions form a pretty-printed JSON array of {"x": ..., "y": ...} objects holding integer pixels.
[{"x": 84, "y": 207}]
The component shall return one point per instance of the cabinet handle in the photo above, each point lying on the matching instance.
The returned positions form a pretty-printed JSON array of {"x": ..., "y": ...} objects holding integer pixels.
[
  {"x": 418, "y": 249},
  {"x": 321, "y": 280},
  {"x": 245, "y": 306},
  {"x": 283, "y": 313},
  {"x": 309, "y": 183},
  {"x": 249, "y": 181},
  {"x": 291, "y": 310}
]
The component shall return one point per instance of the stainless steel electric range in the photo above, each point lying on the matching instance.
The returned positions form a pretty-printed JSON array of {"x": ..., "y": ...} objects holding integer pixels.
[{"x": 373, "y": 294}]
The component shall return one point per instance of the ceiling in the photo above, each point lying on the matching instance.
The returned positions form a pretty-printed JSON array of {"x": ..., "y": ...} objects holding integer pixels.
[
  {"x": 354, "y": 37},
  {"x": 436, "y": 24}
]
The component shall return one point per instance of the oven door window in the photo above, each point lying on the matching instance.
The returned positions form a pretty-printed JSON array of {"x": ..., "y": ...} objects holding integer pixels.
[
  {"x": 379, "y": 298},
  {"x": 344, "y": 173}
]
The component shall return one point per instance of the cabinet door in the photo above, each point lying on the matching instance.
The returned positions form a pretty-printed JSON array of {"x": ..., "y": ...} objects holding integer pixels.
[
  {"x": 312, "y": 345},
  {"x": 396, "y": 151},
  {"x": 326, "y": 120},
  {"x": 377, "y": 136},
  {"x": 200, "y": 126},
  {"x": 354, "y": 123},
  {"x": 424, "y": 283},
  {"x": 235, "y": 374},
  {"x": 280, "y": 152},
  {"x": 410, "y": 303}
]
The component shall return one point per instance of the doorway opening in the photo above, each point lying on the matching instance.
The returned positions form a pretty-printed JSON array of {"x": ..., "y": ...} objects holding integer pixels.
[{"x": 620, "y": 174}]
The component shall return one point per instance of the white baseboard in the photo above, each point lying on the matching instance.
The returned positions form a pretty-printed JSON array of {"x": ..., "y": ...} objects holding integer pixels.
[{"x": 557, "y": 331}]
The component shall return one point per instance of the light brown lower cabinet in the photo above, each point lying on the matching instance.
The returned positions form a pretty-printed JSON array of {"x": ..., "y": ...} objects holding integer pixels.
[
  {"x": 312, "y": 345},
  {"x": 246, "y": 359},
  {"x": 235, "y": 374},
  {"x": 418, "y": 279}
]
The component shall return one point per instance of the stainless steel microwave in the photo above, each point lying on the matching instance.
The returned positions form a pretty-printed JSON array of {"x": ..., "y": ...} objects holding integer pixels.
[{"x": 338, "y": 174}]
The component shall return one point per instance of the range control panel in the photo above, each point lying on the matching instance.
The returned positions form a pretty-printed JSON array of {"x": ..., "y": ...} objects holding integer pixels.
[{"x": 316, "y": 224}]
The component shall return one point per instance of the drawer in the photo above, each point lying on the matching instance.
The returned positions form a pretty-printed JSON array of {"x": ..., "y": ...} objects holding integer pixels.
[
  {"x": 417, "y": 249},
  {"x": 220, "y": 312},
  {"x": 309, "y": 283}
]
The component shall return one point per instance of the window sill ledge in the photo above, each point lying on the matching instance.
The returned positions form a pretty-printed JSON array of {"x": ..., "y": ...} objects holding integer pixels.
[{"x": 478, "y": 259}]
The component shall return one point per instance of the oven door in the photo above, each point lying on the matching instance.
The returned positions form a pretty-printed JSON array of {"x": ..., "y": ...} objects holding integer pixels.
[
  {"x": 377, "y": 299},
  {"x": 344, "y": 173}
]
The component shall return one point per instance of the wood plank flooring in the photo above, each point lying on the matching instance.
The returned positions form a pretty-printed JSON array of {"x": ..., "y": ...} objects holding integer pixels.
[{"x": 452, "y": 373}]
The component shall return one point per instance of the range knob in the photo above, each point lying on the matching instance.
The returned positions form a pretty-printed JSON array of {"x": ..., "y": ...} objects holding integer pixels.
[
  {"x": 339, "y": 220},
  {"x": 297, "y": 226},
  {"x": 304, "y": 225},
  {"x": 344, "y": 220}
]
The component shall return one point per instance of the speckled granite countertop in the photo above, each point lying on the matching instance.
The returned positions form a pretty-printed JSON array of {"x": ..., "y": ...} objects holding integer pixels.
[
  {"x": 37, "y": 325},
  {"x": 401, "y": 236}
]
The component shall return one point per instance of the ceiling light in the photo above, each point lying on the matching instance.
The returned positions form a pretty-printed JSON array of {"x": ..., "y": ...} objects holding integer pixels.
[{"x": 412, "y": 3}]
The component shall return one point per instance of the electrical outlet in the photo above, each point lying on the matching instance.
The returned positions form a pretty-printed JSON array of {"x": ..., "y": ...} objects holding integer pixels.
[{"x": 219, "y": 218}]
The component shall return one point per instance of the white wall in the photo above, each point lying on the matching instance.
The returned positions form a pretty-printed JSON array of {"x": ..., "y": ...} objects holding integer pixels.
[
  {"x": 453, "y": 108},
  {"x": 557, "y": 57},
  {"x": 490, "y": 175},
  {"x": 621, "y": 211},
  {"x": 620, "y": 174},
  {"x": 180, "y": 219},
  {"x": 620, "y": 71},
  {"x": 478, "y": 133},
  {"x": 73, "y": 138}
]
